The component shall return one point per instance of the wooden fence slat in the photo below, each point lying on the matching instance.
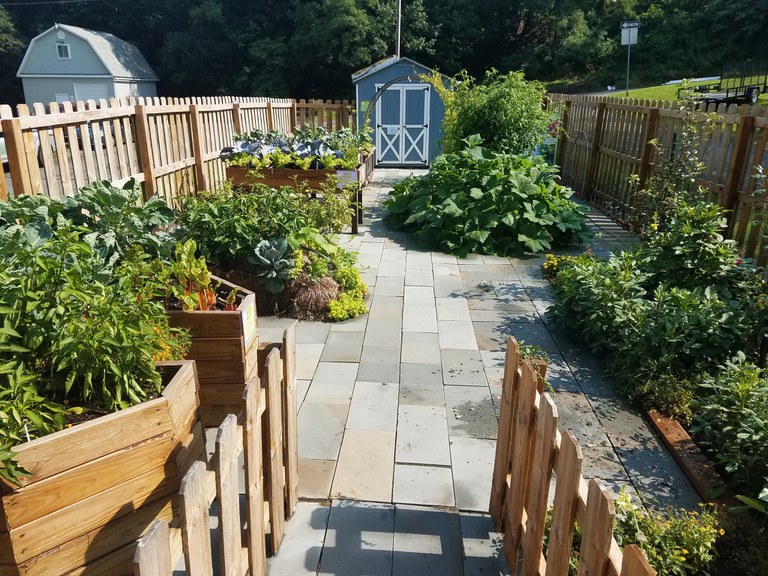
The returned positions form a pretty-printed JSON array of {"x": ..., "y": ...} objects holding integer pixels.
[
  {"x": 195, "y": 521},
  {"x": 538, "y": 492},
  {"x": 564, "y": 506},
  {"x": 153, "y": 552},
  {"x": 228, "y": 494},
  {"x": 501, "y": 461},
  {"x": 273, "y": 448},
  {"x": 522, "y": 440},
  {"x": 634, "y": 562},
  {"x": 144, "y": 147},
  {"x": 254, "y": 477},
  {"x": 290, "y": 421},
  {"x": 597, "y": 532},
  {"x": 197, "y": 147}
]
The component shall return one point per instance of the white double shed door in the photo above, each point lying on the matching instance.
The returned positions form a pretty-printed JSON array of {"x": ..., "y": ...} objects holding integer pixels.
[{"x": 402, "y": 125}]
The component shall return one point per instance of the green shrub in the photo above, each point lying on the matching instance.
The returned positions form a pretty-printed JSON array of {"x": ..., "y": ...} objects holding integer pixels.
[
  {"x": 731, "y": 420},
  {"x": 676, "y": 542},
  {"x": 505, "y": 110},
  {"x": 71, "y": 339},
  {"x": 480, "y": 201},
  {"x": 347, "y": 305}
]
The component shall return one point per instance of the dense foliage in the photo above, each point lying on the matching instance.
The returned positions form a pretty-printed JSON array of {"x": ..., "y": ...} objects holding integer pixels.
[
  {"x": 309, "y": 48},
  {"x": 309, "y": 148},
  {"x": 505, "y": 110},
  {"x": 81, "y": 308},
  {"x": 676, "y": 542},
  {"x": 286, "y": 240},
  {"x": 481, "y": 201}
]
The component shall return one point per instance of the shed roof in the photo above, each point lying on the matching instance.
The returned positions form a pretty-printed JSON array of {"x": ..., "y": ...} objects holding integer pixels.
[
  {"x": 382, "y": 64},
  {"x": 122, "y": 59}
]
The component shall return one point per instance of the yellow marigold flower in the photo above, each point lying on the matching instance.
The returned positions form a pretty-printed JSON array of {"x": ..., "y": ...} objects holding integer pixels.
[
  {"x": 721, "y": 531},
  {"x": 684, "y": 551},
  {"x": 682, "y": 558}
]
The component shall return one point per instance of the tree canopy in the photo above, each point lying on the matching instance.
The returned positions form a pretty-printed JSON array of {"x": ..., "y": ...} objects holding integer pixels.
[{"x": 309, "y": 48}]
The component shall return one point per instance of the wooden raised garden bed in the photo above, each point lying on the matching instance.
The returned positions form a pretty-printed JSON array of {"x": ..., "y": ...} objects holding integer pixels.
[
  {"x": 225, "y": 348},
  {"x": 313, "y": 179},
  {"x": 96, "y": 487}
]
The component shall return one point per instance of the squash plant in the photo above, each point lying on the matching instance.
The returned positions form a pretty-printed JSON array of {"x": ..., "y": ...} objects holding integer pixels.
[{"x": 481, "y": 201}]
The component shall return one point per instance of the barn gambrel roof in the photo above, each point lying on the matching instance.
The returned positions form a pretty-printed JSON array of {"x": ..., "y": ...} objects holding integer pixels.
[{"x": 122, "y": 59}]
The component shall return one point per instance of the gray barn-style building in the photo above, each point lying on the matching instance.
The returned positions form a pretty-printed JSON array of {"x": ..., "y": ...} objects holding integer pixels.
[
  {"x": 407, "y": 118},
  {"x": 68, "y": 63}
]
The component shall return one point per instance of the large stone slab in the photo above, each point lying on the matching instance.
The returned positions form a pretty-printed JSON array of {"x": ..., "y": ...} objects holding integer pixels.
[
  {"x": 453, "y": 308},
  {"x": 321, "y": 427},
  {"x": 456, "y": 335},
  {"x": 312, "y": 332},
  {"x": 483, "y": 546},
  {"x": 422, "y": 435},
  {"x": 420, "y": 318},
  {"x": 462, "y": 368},
  {"x": 307, "y": 357},
  {"x": 427, "y": 543},
  {"x": 472, "y": 462},
  {"x": 333, "y": 383},
  {"x": 389, "y": 286},
  {"x": 421, "y": 385},
  {"x": 366, "y": 466},
  {"x": 343, "y": 347},
  {"x": 384, "y": 331},
  {"x": 419, "y": 277},
  {"x": 471, "y": 412},
  {"x": 315, "y": 478},
  {"x": 380, "y": 364},
  {"x": 373, "y": 407},
  {"x": 420, "y": 348},
  {"x": 303, "y": 541},
  {"x": 423, "y": 485},
  {"x": 360, "y": 539}
]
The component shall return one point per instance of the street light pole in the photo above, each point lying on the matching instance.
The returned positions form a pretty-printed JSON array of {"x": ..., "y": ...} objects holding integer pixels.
[{"x": 399, "y": 20}]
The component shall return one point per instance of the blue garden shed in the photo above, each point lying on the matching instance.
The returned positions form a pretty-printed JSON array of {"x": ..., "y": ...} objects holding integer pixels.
[{"x": 406, "y": 118}]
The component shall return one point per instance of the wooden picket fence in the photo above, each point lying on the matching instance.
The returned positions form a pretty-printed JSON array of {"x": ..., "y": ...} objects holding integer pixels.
[
  {"x": 529, "y": 450},
  {"x": 605, "y": 140},
  {"x": 170, "y": 145},
  {"x": 267, "y": 441}
]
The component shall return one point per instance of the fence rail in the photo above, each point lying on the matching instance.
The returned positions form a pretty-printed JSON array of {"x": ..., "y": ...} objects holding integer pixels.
[
  {"x": 270, "y": 485},
  {"x": 605, "y": 140},
  {"x": 170, "y": 145},
  {"x": 529, "y": 450}
]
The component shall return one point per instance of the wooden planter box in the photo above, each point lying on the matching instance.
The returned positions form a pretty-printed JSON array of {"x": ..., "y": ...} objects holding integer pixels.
[
  {"x": 314, "y": 180},
  {"x": 96, "y": 487},
  {"x": 225, "y": 349}
]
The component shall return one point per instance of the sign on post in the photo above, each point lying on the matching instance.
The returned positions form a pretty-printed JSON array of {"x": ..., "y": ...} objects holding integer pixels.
[{"x": 629, "y": 30}]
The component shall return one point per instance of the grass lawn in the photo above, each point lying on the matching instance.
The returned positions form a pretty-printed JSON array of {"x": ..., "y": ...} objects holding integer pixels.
[{"x": 667, "y": 93}]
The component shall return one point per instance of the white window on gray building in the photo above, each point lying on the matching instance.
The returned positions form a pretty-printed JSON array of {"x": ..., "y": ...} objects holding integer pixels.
[{"x": 62, "y": 51}]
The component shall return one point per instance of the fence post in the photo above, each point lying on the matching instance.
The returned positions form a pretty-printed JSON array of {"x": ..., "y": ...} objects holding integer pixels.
[
  {"x": 344, "y": 114},
  {"x": 562, "y": 140},
  {"x": 144, "y": 144},
  {"x": 237, "y": 122},
  {"x": 197, "y": 146},
  {"x": 738, "y": 164},
  {"x": 651, "y": 125},
  {"x": 594, "y": 151},
  {"x": 17, "y": 159},
  {"x": 270, "y": 120},
  {"x": 294, "y": 113}
]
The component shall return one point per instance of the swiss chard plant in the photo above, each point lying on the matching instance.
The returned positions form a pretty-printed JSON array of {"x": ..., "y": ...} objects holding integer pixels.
[{"x": 485, "y": 202}]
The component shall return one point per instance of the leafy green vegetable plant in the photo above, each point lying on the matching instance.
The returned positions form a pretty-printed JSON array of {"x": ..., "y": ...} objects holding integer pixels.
[
  {"x": 481, "y": 201},
  {"x": 504, "y": 109}
]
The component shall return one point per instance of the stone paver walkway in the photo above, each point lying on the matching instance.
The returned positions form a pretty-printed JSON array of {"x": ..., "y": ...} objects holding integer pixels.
[{"x": 399, "y": 408}]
